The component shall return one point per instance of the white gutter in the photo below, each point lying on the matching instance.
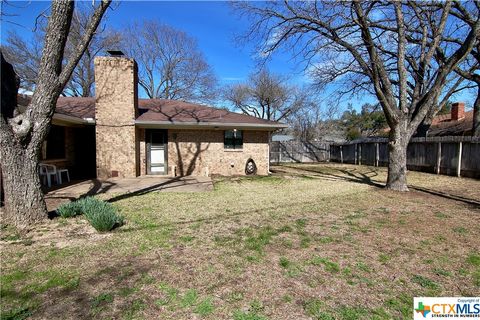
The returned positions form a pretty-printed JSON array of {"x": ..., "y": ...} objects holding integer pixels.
[
  {"x": 207, "y": 125},
  {"x": 72, "y": 119}
]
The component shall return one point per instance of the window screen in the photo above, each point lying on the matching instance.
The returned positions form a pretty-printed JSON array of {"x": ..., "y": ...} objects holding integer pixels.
[{"x": 233, "y": 139}]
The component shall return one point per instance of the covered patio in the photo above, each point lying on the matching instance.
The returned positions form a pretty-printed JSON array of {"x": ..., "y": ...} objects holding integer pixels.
[{"x": 115, "y": 189}]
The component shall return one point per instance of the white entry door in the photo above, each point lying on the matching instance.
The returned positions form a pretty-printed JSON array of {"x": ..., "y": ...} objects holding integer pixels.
[{"x": 157, "y": 151}]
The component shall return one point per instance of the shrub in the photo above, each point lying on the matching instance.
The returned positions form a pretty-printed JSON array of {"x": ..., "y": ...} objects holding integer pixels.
[
  {"x": 70, "y": 209},
  {"x": 101, "y": 215}
]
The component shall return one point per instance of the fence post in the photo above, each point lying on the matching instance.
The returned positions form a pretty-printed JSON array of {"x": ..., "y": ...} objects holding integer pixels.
[
  {"x": 459, "y": 164},
  {"x": 341, "y": 154},
  {"x": 377, "y": 151},
  {"x": 355, "y": 154},
  {"x": 439, "y": 156},
  {"x": 360, "y": 154}
]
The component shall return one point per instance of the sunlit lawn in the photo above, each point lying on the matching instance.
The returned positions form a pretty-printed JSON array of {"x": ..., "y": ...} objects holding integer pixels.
[{"x": 311, "y": 241}]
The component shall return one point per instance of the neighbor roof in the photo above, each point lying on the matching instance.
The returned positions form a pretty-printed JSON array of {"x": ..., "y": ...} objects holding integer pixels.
[
  {"x": 443, "y": 125},
  {"x": 160, "y": 112}
]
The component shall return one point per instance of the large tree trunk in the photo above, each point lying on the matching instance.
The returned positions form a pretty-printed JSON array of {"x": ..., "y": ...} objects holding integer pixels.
[
  {"x": 22, "y": 132},
  {"x": 476, "y": 115},
  {"x": 24, "y": 202},
  {"x": 397, "y": 162}
]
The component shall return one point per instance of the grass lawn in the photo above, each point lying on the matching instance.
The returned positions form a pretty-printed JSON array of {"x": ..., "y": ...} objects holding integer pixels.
[{"x": 309, "y": 242}]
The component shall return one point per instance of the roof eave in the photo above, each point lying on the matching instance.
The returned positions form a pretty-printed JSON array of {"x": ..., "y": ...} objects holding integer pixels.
[
  {"x": 208, "y": 125},
  {"x": 71, "y": 119}
]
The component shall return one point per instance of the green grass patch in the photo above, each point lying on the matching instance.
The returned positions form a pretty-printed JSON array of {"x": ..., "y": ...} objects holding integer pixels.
[
  {"x": 401, "y": 304},
  {"x": 353, "y": 313},
  {"x": 18, "y": 313},
  {"x": 134, "y": 308},
  {"x": 325, "y": 240},
  {"x": 474, "y": 259},
  {"x": 329, "y": 265},
  {"x": 363, "y": 267},
  {"x": 186, "y": 239},
  {"x": 100, "y": 301},
  {"x": 460, "y": 230},
  {"x": 442, "y": 272},
  {"x": 315, "y": 308},
  {"x": 189, "y": 298},
  {"x": 284, "y": 262},
  {"x": 384, "y": 258},
  {"x": 254, "y": 312},
  {"x": 425, "y": 282},
  {"x": 205, "y": 307}
]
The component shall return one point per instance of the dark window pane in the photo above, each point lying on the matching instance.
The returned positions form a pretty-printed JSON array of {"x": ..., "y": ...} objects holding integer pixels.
[
  {"x": 233, "y": 139},
  {"x": 55, "y": 143}
]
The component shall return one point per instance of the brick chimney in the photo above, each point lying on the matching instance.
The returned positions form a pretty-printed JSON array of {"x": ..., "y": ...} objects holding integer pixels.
[
  {"x": 458, "y": 111},
  {"x": 115, "y": 112}
]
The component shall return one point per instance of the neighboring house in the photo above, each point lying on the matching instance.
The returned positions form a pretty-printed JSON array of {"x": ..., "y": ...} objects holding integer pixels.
[
  {"x": 456, "y": 123},
  {"x": 115, "y": 134}
]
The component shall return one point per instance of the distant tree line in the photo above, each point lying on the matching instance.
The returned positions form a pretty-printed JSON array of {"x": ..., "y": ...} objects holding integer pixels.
[{"x": 171, "y": 65}]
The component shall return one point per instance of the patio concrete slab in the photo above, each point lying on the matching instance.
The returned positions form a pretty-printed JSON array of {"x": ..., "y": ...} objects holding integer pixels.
[{"x": 118, "y": 188}]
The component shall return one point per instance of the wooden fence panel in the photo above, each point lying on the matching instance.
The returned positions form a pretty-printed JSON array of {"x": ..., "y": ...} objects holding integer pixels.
[
  {"x": 422, "y": 154},
  {"x": 299, "y": 151},
  {"x": 470, "y": 159},
  {"x": 449, "y": 158}
]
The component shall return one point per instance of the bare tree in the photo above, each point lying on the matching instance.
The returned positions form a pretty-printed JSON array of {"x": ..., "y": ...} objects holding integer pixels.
[
  {"x": 266, "y": 95},
  {"x": 469, "y": 71},
  {"x": 25, "y": 55},
  {"x": 383, "y": 47},
  {"x": 82, "y": 82},
  {"x": 22, "y": 133},
  {"x": 171, "y": 65}
]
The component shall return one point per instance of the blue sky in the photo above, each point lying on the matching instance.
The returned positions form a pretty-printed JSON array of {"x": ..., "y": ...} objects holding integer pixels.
[{"x": 212, "y": 23}]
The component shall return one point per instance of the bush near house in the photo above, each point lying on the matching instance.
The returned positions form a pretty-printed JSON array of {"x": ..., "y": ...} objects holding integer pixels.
[{"x": 102, "y": 215}]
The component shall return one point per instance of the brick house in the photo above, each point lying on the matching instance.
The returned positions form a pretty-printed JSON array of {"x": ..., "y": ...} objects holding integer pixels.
[
  {"x": 456, "y": 123},
  {"x": 116, "y": 134}
]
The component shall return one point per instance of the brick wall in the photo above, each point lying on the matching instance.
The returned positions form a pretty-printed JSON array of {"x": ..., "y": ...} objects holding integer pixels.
[
  {"x": 115, "y": 113},
  {"x": 201, "y": 152}
]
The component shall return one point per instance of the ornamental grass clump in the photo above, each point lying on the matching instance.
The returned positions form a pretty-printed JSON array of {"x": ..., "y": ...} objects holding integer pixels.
[
  {"x": 68, "y": 210},
  {"x": 101, "y": 215}
]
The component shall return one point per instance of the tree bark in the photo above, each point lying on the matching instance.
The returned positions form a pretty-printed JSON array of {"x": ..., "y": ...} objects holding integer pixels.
[
  {"x": 397, "y": 154},
  {"x": 20, "y": 178},
  {"x": 22, "y": 133}
]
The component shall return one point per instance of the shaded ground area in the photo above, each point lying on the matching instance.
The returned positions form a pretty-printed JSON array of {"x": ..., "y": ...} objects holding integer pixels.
[
  {"x": 309, "y": 242},
  {"x": 120, "y": 188},
  {"x": 461, "y": 189}
]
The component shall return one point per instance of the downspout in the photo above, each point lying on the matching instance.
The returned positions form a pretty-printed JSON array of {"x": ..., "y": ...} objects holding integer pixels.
[{"x": 268, "y": 153}]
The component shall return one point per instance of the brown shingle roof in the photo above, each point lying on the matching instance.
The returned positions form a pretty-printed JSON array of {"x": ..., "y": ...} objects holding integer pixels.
[
  {"x": 173, "y": 111},
  {"x": 157, "y": 110},
  {"x": 443, "y": 125},
  {"x": 79, "y": 107}
]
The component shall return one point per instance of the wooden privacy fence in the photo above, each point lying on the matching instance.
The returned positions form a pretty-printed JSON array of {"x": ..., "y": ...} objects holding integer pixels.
[
  {"x": 299, "y": 151},
  {"x": 458, "y": 156}
]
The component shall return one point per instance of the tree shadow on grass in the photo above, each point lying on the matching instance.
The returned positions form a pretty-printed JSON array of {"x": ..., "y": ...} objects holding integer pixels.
[
  {"x": 108, "y": 292},
  {"x": 366, "y": 178},
  {"x": 348, "y": 175}
]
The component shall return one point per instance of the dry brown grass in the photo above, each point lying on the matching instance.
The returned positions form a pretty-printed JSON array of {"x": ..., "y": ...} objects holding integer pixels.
[{"x": 311, "y": 241}]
